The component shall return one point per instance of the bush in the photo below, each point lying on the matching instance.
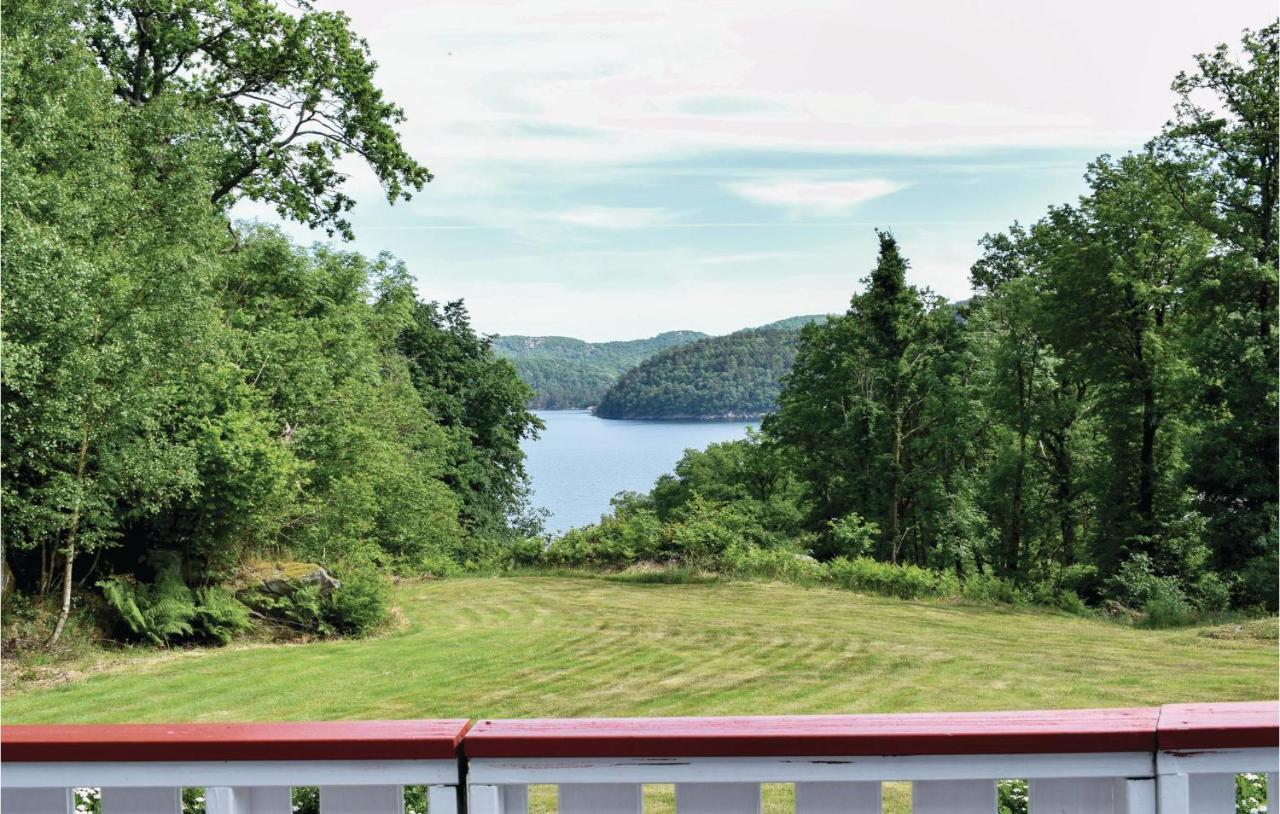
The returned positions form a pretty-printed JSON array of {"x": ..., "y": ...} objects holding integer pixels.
[
  {"x": 886, "y": 579},
  {"x": 357, "y": 608},
  {"x": 1212, "y": 593},
  {"x": 167, "y": 610},
  {"x": 219, "y": 615},
  {"x": 527, "y": 551},
  {"x": 771, "y": 563},
  {"x": 983, "y": 587},
  {"x": 1137, "y": 584},
  {"x": 851, "y": 536},
  {"x": 1258, "y": 582},
  {"x": 360, "y": 606},
  {"x": 1167, "y": 611},
  {"x": 614, "y": 541}
]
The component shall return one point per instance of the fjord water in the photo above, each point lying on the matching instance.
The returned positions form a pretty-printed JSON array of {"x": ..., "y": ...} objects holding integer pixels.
[{"x": 581, "y": 461}]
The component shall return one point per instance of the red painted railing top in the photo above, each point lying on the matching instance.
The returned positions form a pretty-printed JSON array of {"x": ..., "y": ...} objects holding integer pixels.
[
  {"x": 1173, "y": 727},
  {"x": 313, "y": 740},
  {"x": 1219, "y": 726},
  {"x": 1103, "y": 730}
]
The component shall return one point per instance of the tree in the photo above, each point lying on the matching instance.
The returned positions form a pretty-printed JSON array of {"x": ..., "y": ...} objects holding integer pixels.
[
  {"x": 289, "y": 95},
  {"x": 106, "y": 272},
  {"x": 854, "y": 403},
  {"x": 1116, "y": 271},
  {"x": 479, "y": 400},
  {"x": 1219, "y": 158}
]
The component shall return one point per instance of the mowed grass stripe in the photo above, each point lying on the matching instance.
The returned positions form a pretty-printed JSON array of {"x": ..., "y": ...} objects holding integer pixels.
[{"x": 542, "y": 646}]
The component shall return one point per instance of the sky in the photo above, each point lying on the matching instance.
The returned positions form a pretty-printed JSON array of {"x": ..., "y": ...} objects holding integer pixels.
[{"x": 611, "y": 170}]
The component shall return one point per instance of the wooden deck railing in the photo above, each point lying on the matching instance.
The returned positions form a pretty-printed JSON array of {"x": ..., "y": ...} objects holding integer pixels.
[{"x": 1177, "y": 759}]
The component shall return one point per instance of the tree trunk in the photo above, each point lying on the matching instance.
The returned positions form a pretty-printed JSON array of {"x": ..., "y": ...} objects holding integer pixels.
[
  {"x": 71, "y": 541},
  {"x": 894, "y": 519},
  {"x": 1146, "y": 461}
]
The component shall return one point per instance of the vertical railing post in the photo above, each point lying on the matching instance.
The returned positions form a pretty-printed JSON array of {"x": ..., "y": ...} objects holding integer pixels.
[
  {"x": 717, "y": 798},
  {"x": 443, "y": 799},
  {"x": 38, "y": 801},
  {"x": 142, "y": 801},
  {"x": 248, "y": 800},
  {"x": 953, "y": 797}
]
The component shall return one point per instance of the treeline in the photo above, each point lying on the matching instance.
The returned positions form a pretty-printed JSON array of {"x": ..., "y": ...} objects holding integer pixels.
[
  {"x": 568, "y": 373},
  {"x": 1099, "y": 422},
  {"x": 179, "y": 393},
  {"x": 734, "y": 376}
]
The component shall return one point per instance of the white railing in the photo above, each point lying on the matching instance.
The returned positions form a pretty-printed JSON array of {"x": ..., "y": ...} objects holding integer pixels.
[
  {"x": 1178, "y": 759},
  {"x": 360, "y": 767}
]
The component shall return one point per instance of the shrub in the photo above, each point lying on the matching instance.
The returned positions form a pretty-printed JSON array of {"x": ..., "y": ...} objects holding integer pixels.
[
  {"x": 1012, "y": 797},
  {"x": 1137, "y": 584},
  {"x": 983, "y": 587},
  {"x": 527, "y": 551},
  {"x": 159, "y": 611},
  {"x": 886, "y": 579},
  {"x": 1257, "y": 583},
  {"x": 1212, "y": 593},
  {"x": 357, "y": 608},
  {"x": 360, "y": 606},
  {"x": 771, "y": 563},
  {"x": 219, "y": 615},
  {"x": 167, "y": 610},
  {"x": 1167, "y": 611},
  {"x": 852, "y": 536},
  {"x": 1081, "y": 579}
]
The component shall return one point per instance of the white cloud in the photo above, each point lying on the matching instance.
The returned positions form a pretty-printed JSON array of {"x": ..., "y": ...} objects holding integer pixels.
[
  {"x": 613, "y": 217},
  {"x": 816, "y": 197},
  {"x": 577, "y": 81}
]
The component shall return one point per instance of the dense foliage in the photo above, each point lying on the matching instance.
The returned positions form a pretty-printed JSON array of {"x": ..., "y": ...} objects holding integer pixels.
[
  {"x": 178, "y": 393},
  {"x": 734, "y": 376},
  {"x": 1099, "y": 422},
  {"x": 569, "y": 373}
]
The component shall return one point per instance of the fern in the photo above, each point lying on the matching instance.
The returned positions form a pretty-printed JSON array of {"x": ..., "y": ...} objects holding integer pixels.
[
  {"x": 123, "y": 600},
  {"x": 219, "y": 615}
]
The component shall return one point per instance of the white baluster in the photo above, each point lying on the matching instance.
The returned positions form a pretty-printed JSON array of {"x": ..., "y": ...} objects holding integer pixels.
[
  {"x": 717, "y": 798},
  {"x": 141, "y": 801},
  {"x": 1077, "y": 795},
  {"x": 443, "y": 799},
  {"x": 1212, "y": 793},
  {"x": 953, "y": 797},
  {"x": 484, "y": 800},
  {"x": 37, "y": 801},
  {"x": 601, "y": 798},
  {"x": 361, "y": 800},
  {"x": 1140, "y": 796},
  {"x": 248, "y": 800},
  {"x": 498, "y": 799},
  {"x": 1174, "y": 793},
  {"x": 837, "y": 798}
]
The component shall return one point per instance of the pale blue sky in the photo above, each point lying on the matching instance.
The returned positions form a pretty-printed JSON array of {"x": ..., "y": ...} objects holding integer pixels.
[{"x": 611, "y": 170}]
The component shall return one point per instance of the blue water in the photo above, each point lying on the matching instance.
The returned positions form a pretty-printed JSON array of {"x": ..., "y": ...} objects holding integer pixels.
[{"x": 581, "y": 461}]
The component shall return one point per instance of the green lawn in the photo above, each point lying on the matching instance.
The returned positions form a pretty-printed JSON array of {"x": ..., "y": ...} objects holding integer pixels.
[{"x": 534, "y": 646}]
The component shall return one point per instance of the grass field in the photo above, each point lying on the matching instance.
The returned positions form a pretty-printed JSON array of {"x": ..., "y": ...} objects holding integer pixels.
[
  {"x": 541, "y": 646},
  {"x": 537, "y": 646}
]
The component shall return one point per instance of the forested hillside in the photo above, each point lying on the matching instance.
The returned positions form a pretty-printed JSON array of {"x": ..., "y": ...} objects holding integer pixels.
[
  {"x": 734, "y": 376},
  {"x": 1100, "y": 423},
  {"x": 569, "y": 373},
  {"x": 182, "y": 394}
]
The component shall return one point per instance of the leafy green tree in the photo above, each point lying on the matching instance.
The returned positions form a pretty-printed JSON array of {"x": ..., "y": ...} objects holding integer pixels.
[
  {"x": 1219, "y": 159},
  {"x": 853, "y": 403},
  {"x": 1116, "y": 269},
  {"x": 288, "y": 96},
  {"x": 106, "y": 269},
  {"x": 479, "y": 400}
]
